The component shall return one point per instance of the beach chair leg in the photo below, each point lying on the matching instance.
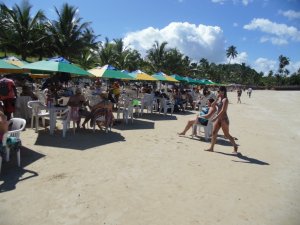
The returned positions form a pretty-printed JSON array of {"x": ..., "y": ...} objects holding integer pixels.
[
  {"x": 43, "y": 121},
  {"x": 7, "y": 153},
  {"x": 19, "y": 157},
  {"x": 32, "y": 120},
  {"x": 36, "y": 124}
]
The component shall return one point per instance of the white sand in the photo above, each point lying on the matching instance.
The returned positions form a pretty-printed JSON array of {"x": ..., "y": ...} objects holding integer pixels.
[{"x": 145, "y": 174}]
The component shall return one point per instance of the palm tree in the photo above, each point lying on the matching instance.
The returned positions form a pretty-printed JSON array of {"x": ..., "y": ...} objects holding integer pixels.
[
  {"x": 176, "y": 62},
  {"x": 156, "y": 55},
  {"x": 204, "y": 67},
  {"x": 120, "y": 53},
  {"x": 69, "y": 35},
  {"x": 21, "y": 32},
  {"x": 106, "y": 53},
  {"x": 283, "y": 62},
  {"x": 231, "y": 53}
]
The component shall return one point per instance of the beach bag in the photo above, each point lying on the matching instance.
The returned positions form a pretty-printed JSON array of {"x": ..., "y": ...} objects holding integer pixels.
[{"x": 4, "y": 90}]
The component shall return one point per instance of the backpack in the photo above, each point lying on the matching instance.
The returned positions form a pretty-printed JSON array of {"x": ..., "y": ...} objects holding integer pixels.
[{"x": 4, "y": 90}]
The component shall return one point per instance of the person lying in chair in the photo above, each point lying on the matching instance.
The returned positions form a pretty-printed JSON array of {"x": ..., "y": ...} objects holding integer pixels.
[{"x": 204, "y": 115}]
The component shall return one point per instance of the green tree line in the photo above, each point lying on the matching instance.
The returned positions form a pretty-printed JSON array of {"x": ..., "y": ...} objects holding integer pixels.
[{"x": 34, "y": 36}]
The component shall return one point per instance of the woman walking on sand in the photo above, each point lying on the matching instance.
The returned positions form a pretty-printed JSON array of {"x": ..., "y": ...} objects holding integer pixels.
[{"x": 221, "y": 120}]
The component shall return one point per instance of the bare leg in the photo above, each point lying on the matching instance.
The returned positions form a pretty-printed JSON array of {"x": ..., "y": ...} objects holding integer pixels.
[
  {"x": 187, "y": 127},
  {"x": 225, "y": 128},
  {"x": 216, "y": 129}
]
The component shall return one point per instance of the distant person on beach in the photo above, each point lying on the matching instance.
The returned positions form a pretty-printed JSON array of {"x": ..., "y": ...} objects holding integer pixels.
[
  {"x": 202, "y": 118},
  {"x": 239, "y": 94},
  {"x": 249, "y": 92},
  {"x": 221, "y": 120}
]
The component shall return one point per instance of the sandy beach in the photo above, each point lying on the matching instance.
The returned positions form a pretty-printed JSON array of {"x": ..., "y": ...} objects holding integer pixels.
[{"x": 144, "y": 173}]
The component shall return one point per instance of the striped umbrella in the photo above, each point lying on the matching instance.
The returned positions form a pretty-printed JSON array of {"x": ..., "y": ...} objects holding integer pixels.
[
  {"x": 164, "y": 77},
  {"x": 140, "y": 75}
]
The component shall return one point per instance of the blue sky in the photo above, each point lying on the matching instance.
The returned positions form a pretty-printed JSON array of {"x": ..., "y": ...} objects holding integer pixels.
[{"x": 261, "y": 30}]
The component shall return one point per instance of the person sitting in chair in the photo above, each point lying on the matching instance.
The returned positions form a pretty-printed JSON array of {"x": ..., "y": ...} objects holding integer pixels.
[
  {"x": 79, "y": 101},
  {"x": 202, "y": 118},
  {"x": 97, "y": 109}
]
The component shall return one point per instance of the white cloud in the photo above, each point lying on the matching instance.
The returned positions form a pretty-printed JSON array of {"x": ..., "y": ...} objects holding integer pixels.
[
  {"x": 265, "y": 65},
  {"x": 235, "y": 24},
  {"x": 293, "y": 67},
  {"x": 194, "y": 41},
  {"x": 281, "y": 33},
  {"x": 244, "y": 2},
  {"x": 291, "y": 14},
  {"x": 274, "y": 40},
  {"x": 240, "y": 58},
  {"x": 219, "y": 1}
]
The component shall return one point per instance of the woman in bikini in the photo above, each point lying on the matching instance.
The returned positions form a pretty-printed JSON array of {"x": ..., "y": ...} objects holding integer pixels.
[{"x": 221, "y": 120}]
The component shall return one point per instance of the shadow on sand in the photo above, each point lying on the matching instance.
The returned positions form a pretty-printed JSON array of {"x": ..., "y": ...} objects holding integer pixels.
[
  {"x": 11, "y": 174},
  {"x": 138, "y": 124},
  {"x": 157, "y": 117},
  {"x": 245, "y": 159},
  {"x": 81, "y": 140}
]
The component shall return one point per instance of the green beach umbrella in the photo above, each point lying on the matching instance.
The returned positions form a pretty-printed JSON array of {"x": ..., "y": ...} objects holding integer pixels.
[
  {"x": 200, "y": 81},
  {"x": 209, "y": 82},
  {"x": 179, "y": 78},
  {"x": 110, "y": 72},
  {"x": 164, "y": 77},
  {"x": 190, "y": 80},
  {"x": 57, "y": 64},
  {"x": 9, "y": 68}
]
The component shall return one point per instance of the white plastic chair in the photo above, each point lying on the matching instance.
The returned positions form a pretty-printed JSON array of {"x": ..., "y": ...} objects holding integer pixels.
[
  {"x": 16, "y": 125},
  {"x": 125, "y": 107},
  {"x": 42, "y": 96},
  {"x": 207, "y": 129},
  {"x": 147, "y": 102},
  {"x": 64, "y": 101},
  {"x": 166, "y": 104},
  {"x": 72, "y": 114},
  {"x": 38, "y": 111}
]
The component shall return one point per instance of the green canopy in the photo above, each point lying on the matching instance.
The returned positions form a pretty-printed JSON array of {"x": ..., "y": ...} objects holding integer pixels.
[
  {"x": 54, "y": 66},
  {"x": 110, "y": 72},
  {"x": 179, "y": 78},
  {"x": 190, "y": 80},
  {"x": 201, "y": 82},
  {"x": 164, "y": 77},
  {"x": 209, "y": 82},
  {"x": 8, "y": 68}
]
